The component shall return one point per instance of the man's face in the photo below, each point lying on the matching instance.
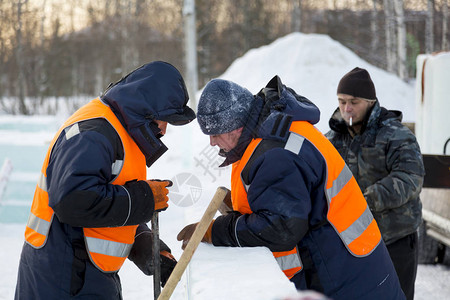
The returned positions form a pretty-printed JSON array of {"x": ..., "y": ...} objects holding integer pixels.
[
  {"x": 352, "y": 107},
  {"x": 226, "y": 141},
  {"x": 162, "y": 125}
]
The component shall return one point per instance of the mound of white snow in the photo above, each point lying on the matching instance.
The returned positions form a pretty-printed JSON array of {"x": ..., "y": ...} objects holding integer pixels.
[{"x": 313, "y": 64}]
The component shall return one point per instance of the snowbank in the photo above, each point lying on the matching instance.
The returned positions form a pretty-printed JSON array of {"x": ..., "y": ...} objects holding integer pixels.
[{"x": 313, "y": 64}]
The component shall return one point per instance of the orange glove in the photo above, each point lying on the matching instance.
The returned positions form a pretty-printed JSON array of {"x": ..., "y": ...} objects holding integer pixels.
[
  {"x": 160, "y": 191},
  {"x": 187, "y": 232},
  {"x": 167, "y": 254}
]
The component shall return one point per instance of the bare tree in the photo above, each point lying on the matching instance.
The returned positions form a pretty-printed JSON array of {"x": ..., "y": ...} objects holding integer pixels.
[
  {"x": 41, "y": 75},
  {"x": 445, "y": 41},
  {"x": 190, "y": 48},
  {"x": 20, "y": 59},
  {"x": 73, "y": 56},
  {"x": 296, "y": 15},
  {"x": 374, "y": 26},
  {"x": 429, "y": 32},
  {"x": 401, "y": 38},
  {"x": 6, "y": 21},
  {"x": 390, "y": 35},
  {"x": 127, "y": 33}
]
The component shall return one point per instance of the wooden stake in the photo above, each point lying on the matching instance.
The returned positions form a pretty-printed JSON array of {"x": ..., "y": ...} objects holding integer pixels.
[{"x": 193, "y": 243}]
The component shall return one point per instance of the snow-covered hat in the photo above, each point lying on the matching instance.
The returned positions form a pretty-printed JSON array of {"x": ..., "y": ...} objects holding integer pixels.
[{"x": 223, "y": 107}]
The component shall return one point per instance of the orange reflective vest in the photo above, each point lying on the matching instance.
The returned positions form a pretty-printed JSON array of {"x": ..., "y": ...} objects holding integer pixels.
[
  {"x": 348, "y": 212},
  {"x": 107, "y": 247}
]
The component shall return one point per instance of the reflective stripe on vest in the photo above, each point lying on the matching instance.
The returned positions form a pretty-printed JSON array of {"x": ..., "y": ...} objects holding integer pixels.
[
  {"x": 288, "y": 261},
  {"x": 348, "y": 211},
  {"x": 40, "y": 225},
  {"x": 107, "y": 247}
]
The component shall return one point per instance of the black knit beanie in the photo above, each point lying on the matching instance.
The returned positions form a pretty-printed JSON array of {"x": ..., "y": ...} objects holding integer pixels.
[{"x": 357, "y": 83}]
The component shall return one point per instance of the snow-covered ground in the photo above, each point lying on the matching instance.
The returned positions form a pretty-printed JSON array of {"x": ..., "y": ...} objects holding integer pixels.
[
  {"x": 312, "y": 65},
  {"x": 214, "y": 273}
]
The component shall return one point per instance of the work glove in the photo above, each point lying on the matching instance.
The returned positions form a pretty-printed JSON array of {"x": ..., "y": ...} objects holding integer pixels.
[
  {"x": 168, "y": 263},
  {"x": 141, "y": 255},
  {"x": 226, "y": 206},
  {"x": 160, "y": 191},
  {"x": 186, "y": 233}
]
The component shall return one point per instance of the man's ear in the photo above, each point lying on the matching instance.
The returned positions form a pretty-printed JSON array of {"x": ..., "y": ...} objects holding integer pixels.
[{"x": 239, "y": 130}]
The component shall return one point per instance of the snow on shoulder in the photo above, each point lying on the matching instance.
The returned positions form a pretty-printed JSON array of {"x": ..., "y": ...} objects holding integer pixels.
[{"x": 313, "y": 64}]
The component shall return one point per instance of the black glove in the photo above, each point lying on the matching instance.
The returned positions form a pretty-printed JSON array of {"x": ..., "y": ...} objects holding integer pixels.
[
  {"x": 168, "y": 263},
  {"x": 186, "y": 234},
  {"x": 141, "y": 254}
]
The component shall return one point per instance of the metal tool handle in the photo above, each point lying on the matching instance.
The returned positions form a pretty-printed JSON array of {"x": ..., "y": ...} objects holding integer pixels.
[{"x": 156, "y": 259}]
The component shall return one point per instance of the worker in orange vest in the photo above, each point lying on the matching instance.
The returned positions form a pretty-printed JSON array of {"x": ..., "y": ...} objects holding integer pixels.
[
  {"x": 293, "y": 193},
  {"x": 92, "y": 200}
]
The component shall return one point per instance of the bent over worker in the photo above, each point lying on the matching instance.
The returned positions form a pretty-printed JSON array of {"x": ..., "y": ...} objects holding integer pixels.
[
  {"x": 92, "y": 201},
  {"x": 292, "y": 193}
]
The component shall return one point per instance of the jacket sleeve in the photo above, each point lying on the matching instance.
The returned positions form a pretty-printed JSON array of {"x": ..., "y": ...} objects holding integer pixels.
[
  {"x": 406, "y": 172},
  {"x": 280, "y": 200},
  {"x": 79, "y": 177}
]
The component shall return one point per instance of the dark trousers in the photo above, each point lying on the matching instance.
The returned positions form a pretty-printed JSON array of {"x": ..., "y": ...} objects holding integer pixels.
[{"x": 405, "y": 255}]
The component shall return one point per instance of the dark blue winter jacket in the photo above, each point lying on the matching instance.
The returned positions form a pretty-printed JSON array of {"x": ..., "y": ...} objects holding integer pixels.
[
  {"x": 289, "y": 208},
  {"x": 79, "y": 176}
]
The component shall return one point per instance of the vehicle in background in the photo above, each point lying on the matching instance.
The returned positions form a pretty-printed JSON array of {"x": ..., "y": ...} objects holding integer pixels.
[{"x": 432, "y": 129}]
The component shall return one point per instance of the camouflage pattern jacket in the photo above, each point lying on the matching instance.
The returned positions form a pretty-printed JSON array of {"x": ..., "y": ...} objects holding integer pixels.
[{"x": 386, "y": 161}]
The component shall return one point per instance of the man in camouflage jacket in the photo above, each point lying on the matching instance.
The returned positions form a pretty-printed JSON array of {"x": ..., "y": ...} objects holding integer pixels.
[{"x": 385, "y": 159}]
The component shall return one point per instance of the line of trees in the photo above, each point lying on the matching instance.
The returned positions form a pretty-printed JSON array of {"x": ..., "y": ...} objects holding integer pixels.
[{"x": 75, "y": 47}]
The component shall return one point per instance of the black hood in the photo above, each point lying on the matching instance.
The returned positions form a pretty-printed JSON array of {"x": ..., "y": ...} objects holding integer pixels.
[{"x": 154, "y": 91}]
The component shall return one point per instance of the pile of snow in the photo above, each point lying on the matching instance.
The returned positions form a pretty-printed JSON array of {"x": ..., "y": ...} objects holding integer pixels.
[{"x": 313, "y": 64}]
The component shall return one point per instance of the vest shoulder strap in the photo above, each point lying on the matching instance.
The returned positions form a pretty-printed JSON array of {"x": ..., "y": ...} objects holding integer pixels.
[
  {"x": 105, "y": 128},
  {"x": 275, "y": 135},
  {"x": 263, "y": 147}
]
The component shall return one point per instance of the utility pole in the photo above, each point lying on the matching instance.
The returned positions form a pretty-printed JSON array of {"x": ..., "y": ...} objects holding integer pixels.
[
  {"x": 401, "y": 39},
  {"x": 391, "y": 57},
  {"x": 445, "y": 41},
  {"x": 190, "y": 48},
  {"x": 296, "y": 15},
  {"x": 20, "y": 58},
  {"x": 429, "y": 30}
]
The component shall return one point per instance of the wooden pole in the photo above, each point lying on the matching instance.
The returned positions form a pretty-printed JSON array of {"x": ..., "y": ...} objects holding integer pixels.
[{"x": 193, "y": 243}]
